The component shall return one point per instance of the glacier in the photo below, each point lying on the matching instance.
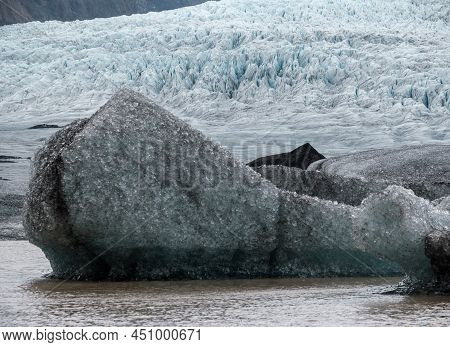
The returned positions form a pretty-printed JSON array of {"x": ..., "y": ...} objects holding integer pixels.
[{"x": 343, "y": 75}]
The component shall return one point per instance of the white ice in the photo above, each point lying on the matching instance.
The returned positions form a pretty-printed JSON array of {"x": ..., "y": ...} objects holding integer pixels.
[{"x": 344, "y": 75}]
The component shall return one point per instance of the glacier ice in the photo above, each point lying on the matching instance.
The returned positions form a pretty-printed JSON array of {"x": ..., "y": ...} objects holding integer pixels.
[
  {"x": 351, "y": 178},
  {"x": 346, "y": 190},
  {"x": 391, "y": 225},
  {"x": 344, "y": 75},
  {"x": 395, "y": 224},
  {"x": 443, "y": 203},
  {"x": 157, "y": 194},
  {"x": 408, "y": 164},
  {"x": 135, "y": 193},
  {"x": 437, "y": 248}
]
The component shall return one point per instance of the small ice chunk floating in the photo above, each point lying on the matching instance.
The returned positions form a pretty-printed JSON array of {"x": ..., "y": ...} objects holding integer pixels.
[{"x": 135, "y": 193}]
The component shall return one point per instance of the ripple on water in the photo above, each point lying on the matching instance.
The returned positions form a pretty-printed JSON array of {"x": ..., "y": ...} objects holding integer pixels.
[{"x": 28, "y": 299}]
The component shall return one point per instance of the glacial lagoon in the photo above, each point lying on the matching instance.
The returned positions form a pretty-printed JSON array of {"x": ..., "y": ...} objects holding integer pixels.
[{"x": 27, "y": 298}]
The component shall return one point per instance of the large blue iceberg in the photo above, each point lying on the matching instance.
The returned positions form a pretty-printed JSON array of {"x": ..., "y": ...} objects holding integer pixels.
[{"x": 135, "y": 193}]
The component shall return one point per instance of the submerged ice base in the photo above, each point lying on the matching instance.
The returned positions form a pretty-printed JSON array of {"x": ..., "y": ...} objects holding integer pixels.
[{"x": 135, "y": 193}]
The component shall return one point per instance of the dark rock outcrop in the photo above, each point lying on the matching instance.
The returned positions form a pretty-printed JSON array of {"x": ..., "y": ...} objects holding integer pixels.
[
  {"x": 44, "y": 126},
  {"x": 8, "y": 158},
  {"x": 300, "y": 157},
  {"x": 21, "y": 11}
]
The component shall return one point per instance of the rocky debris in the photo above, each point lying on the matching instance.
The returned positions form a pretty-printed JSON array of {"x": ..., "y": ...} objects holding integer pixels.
[
  {"x": 11, "y": 217},
  {"x": 12, "y": 232},
  {"x": 300, "y": 157},
  {"x": 10, "y": 201},
  {"x": 44, "y": 126},
  {"x": 8, "y": 159}
]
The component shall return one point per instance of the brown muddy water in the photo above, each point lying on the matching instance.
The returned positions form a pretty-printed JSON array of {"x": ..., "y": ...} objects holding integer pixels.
[{"x": 28, "y": 299}]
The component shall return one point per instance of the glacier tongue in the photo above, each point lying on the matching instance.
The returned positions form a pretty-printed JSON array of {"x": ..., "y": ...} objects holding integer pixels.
[
  {"x": 135, "y": 193},
  {"x": 339, "y": 74}
]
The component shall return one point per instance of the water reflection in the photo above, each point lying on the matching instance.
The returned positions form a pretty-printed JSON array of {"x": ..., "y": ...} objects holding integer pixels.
[
  {"x": 53, "y": 287},
  {"x": 28, "y": 299},
  {"x": 427, "y": 310}
]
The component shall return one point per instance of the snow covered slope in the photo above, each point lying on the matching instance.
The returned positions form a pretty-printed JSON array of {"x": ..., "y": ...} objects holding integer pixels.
[{"x": 345, "y": 75}]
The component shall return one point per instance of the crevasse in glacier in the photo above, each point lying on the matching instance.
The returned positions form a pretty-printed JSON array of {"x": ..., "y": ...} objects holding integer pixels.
[{"x": 353, "y": 74}]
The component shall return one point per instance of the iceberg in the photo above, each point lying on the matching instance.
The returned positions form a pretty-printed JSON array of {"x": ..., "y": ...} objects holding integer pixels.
[
  {"x": 347, "y": 190},
  {"x": 146, "y": 196},
  {"x": 136, "y": 193},
  {"x": 351, "y": 178},
  {"x": 424, "y": 169}
]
